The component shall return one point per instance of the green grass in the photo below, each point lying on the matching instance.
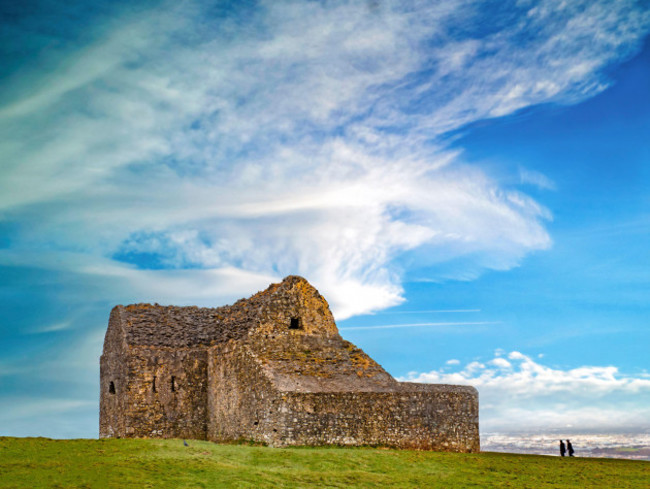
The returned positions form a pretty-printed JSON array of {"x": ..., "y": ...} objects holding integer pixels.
[{"x": 40, "y": 462}]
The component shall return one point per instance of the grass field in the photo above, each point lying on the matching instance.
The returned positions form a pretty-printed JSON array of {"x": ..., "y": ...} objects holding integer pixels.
[{"x": 40, "y": 462}]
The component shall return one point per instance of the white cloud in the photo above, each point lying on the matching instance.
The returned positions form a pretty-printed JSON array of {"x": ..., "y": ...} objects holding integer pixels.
[
  {"x": 48, "y": 416},
  {"x": 52, "y": 328},
  {"x": 421, "y": 325},
  {"x": 304, "y": 139},
  {"x": 535, "y": 178},
  {"x": 501, "y": 363},
  {"x": 515, "y": 355},
  {"x": 524, "y": 395},
  {"x": 121, "y": 282},
  {"x": 18, "y": 408}
]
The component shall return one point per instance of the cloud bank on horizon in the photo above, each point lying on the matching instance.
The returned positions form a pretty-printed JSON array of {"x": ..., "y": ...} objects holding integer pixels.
[
  {"x": 518, "y": 393},
  {"x": 294, "y": 137}
]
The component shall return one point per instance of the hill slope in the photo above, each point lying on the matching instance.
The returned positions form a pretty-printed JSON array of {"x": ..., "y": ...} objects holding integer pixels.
[{"x": 40, "y": 462}]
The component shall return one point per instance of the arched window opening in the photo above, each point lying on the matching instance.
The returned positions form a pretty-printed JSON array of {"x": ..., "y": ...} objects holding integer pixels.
[
  {"x": 295, "y": 323},
  {"x": 111, "y": 387},
  {"x": 173, "y": 384}
]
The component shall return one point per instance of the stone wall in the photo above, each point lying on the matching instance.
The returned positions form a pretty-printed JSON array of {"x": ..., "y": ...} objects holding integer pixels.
[
  {"x": 138, "y": 397},
  {"x": 435, "y": 420},
  {"x": 167, "y": 393},
  {"x": 294, "y": 298},
  {"x": 113, "y": 380},
  {"x": 242, "y": 402}
]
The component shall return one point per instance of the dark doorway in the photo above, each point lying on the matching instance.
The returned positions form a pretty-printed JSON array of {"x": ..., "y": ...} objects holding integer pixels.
[{"x": 111, "y": 388}]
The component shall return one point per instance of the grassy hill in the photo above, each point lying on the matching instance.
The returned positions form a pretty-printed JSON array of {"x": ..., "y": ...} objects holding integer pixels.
[{"x": 40, "y": 462}]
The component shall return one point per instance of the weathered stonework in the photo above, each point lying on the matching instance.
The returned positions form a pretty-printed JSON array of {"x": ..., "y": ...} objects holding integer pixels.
[{"x": 272, "y": 369}]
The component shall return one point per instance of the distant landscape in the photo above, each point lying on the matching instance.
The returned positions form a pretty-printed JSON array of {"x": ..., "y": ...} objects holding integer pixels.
[{"x": 627, "y": 446}]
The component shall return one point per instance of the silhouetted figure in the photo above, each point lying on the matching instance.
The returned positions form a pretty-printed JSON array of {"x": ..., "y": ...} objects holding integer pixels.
[
  {"x": 562, "y": 448},
  {"x": 569, "y": 447},
  {"x": 185, "y": 443}
]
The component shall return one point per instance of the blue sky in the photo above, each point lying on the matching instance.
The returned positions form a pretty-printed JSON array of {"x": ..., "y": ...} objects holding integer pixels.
[{"x": 466, "y": 182}]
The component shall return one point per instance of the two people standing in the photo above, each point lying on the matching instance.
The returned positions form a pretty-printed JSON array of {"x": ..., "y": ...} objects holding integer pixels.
[{"x": 563, "y": 448}]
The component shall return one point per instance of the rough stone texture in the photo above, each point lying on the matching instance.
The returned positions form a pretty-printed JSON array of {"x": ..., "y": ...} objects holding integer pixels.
[
  {"x": 418, "y": 420},
  {"x": 272, "y": 369}
]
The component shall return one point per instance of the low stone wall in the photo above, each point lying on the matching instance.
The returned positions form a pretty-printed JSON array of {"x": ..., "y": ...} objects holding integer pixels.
[{"x": 424, "y": 420}]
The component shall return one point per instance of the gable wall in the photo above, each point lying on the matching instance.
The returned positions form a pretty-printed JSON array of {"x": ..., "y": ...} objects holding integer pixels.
[
  {"x": 293, "y": 298},
  {"x": 166, "y": 413}
]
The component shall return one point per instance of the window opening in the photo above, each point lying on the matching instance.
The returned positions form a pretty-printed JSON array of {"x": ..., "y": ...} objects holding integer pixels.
[
  {"x": 295, "y": 323},
  {"x": 173, "y": 384},
  {"x": 111, "y": 388},
  {"x": 153, "y": 385}
]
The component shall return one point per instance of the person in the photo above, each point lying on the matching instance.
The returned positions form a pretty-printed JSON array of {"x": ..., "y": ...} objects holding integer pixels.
[
  {"x": 562, "y": 448},
  {"x": 569, "y": 448}
]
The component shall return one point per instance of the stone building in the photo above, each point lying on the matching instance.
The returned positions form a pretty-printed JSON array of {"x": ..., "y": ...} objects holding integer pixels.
[{"x": 271, "y": 369}]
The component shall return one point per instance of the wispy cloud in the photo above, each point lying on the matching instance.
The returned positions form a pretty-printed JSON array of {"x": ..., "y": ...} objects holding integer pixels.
[
  {"x": 16, "y": 408},
  {"x": 518, "y": 393},
  {"x": 123, "y": 282},
  {"x": 420, "y": 325},
  {"x": 300, "y": 138},
  {"x": 47, "y": 416},
  {"x": 431, "y": 311},
  {"x": 537, "y": 179},
  {"x": 52, "y": 328}
]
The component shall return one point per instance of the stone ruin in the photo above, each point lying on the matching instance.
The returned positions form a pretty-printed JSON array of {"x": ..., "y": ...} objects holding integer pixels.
[{"x": 271, "y": 369}]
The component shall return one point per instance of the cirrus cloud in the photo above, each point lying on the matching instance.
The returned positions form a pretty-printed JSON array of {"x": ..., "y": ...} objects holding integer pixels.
[{"x": 300, "y": 138}]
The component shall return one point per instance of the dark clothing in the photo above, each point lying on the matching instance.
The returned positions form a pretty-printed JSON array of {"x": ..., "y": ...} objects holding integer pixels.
[
  {"x": 569, "y": 448},
  {"x": 562, "y": 448}
]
